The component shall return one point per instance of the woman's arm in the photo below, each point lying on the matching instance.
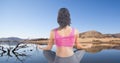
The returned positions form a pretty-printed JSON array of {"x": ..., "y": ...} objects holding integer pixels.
[
  {"x": 77, "y": 41},
  {"x": 50, "y": 43}
]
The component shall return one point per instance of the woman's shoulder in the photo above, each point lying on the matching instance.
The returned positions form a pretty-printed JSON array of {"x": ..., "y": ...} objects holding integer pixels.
[
  {"x": 76, "y": 30},
  {"x": 53, "y": 30}
]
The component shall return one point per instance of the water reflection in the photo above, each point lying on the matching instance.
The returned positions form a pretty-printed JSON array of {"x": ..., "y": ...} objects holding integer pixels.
[
  {"x": 99, "y": 47},
  {"x": 13, "y": 52}
]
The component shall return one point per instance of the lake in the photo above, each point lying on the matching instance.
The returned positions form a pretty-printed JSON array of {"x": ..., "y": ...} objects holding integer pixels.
[{"x": 14, "y": 52}]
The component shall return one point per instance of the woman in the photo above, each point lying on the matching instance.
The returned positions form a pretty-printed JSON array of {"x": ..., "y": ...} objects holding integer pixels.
[{"x": 64, "y": 37}]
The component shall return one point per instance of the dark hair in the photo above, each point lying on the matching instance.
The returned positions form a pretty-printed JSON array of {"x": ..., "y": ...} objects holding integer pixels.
[{"x": 63, "y": 18}]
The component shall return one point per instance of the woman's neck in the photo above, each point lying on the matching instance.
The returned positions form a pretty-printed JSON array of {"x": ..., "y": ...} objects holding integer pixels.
[{"x": 66, "y": 27}]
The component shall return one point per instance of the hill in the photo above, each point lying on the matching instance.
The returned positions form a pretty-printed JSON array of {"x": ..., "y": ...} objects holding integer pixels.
[
  {"x": 96, "y": 34},
  {"x": 11, "y": 39}
]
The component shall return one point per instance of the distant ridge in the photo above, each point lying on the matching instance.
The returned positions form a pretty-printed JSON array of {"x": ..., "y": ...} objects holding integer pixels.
[
  {"x": 87, "y": 34},
  {"x": 11, "y": 39},
  {"x": 96, "y": 34},
  {"x": 117, "y": 35}
]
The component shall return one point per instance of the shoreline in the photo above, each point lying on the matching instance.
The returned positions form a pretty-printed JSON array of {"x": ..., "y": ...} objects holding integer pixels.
[{"x": 82, "y": 40}]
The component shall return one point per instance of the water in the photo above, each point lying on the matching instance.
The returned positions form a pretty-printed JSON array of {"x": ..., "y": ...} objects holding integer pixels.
[
  {"x": 105, "y": 56},
  {"x": 29, "y": 53}
]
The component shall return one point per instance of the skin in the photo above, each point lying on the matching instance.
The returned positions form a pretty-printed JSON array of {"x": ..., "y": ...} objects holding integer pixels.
[{"x": 63, "y": 51}]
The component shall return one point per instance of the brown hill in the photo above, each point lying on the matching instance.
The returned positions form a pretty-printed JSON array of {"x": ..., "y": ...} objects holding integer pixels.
[
  {"x": 91, "y": 34},
  {"x": 96, "y": 34},
  {"x": 117, "y": 35}
]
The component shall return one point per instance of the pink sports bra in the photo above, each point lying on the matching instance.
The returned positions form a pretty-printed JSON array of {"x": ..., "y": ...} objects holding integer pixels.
[{"x": 67, "y": 41}]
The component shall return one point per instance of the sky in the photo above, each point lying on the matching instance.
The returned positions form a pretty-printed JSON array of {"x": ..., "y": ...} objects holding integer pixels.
[{"x": 36, "y": 18}]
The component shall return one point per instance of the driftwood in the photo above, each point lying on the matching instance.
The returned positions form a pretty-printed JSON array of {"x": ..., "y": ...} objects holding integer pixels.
[{"x": 9, "y": 51}]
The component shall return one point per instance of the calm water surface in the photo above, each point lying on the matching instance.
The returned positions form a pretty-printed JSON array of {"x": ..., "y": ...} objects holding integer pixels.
[{"x": 13, "y": 52}]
